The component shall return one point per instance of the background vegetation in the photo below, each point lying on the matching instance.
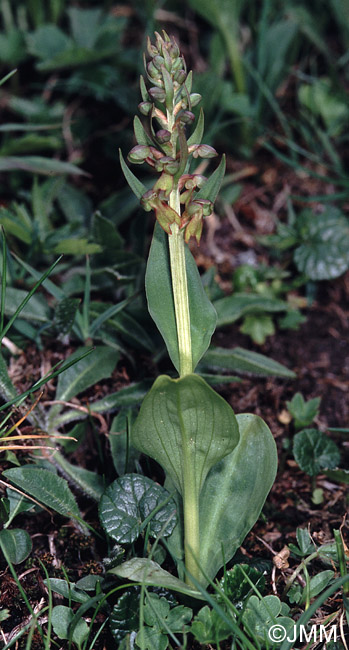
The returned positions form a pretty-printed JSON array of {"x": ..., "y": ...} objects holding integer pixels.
[{"x": 274, "y": 261}]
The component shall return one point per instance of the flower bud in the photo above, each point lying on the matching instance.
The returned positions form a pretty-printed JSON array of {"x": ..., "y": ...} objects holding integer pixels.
[
  {"x": 152, "y": 50},
  {"x": 173, "y": 49},
  {"x": 203, "y": 150},
  {"x": 180, "y": 76},
  {"x": 163, "y": 136},
  {"x": 167, "y": 164},
  {"x": 194, "y": 228},
  {"x": 158, "y": 61},
  {"x": 158, "y": 94},
  {"x": 164, "y": 185},
  {"x": 138, "y": 154},
  {"x": 207, "y": 206},
  {"x": 195, "y": 99},
  {"x": 145, "y": 107},
  {"x": 153, "y": 72},
  {"x": 147, "y": 200},
  {"x": 187, "y": 117}
]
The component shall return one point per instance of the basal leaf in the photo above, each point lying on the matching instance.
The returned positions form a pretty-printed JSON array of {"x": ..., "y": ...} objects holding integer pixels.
[
  {"x": 244, "y": 361},
  {"x": 234, "y": 493},
  {"x": 16, "y": 544},
  {"x": 184, "y": 422},
  {"x": 136, "y": 186},
  {"x": 86, "y": 372},
  {"x": 45, "y": 486},
  {"x": 212, "y": 186},
  {"x": 143, "y": 570},
  {"x": 129, "y": 501},
  {"x": 160, "y": 300}
]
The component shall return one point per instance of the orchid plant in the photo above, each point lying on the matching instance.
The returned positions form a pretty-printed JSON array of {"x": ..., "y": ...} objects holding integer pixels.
[{"x": 219, "y": 466}]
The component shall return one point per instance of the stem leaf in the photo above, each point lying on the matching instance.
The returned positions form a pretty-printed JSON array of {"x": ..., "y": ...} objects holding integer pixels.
[
  {"x": 184, "y": 423},
  {"x": 212, "y": 186},
  {"x": 158, "y": 286},
  {"x": 198, "y": 132}
]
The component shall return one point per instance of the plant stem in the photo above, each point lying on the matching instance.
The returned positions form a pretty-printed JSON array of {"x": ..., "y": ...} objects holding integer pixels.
[
  {"x": 191, "y": 521},
  {"x": 181, "y": 305},
  {"x": 179, "y": 277}
]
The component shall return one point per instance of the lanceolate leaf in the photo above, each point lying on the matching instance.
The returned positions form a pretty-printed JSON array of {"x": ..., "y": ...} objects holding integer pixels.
[
  {"x": 38, "y": 165},
  {"x": 244, "y": 361},
  {"x": 234, "y": 493},
  {"x": 158, "y": 286},
  {"x": 141, "y": 135},
  {"x": 86, "y": 372},
  {"x": 212, "y": 186},
  {"x": 46, "y": 487},
  {"x": 185, "y": 423},
  {"x": 198, "y": 132},
  {"x": 136, "y": 186}
]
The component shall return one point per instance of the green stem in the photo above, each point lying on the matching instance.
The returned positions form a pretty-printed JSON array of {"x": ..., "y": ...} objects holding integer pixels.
[
  {"x": 182, "y": 312},
  {"x": 179, "y": 279},
  {"x": 191, "y": 523}
]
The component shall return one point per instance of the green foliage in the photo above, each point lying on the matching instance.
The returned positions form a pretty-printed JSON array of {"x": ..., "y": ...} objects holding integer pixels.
[
  {"x": 305, "y": 543},
  {"x": 261, "y": 614},
  {"x": 237, "y": 586},
  {"x": 314, "y": 451},
  {"x": 201, "y": 431},
  {"x": 319, "y": 242},
  {"x": 244, "y": 361},
  {"x": 161, "y": 306},
  {"x": 62, "y": 618},
  {"x": 303, "y": 412},
  {"x": 124, "y": 617},
  {"x": 148, "y": 572},
  {"x": 161, "y": 620},
  {"x": 208, "y": 627},
  {"x": 16, "y": 544},
  {"x": 45, "y": 486},
  {"x": 234, "y": 493},
  {"x": 131, "y": 502},
  {"x": 317, "y": 584}
]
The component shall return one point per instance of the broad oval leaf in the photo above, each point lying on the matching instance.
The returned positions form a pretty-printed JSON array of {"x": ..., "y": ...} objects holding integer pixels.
[
  {"x": 46, "y": 487},
  {"x": 158, "y": 285},
  {"x": 129, "y": 501},
  {"x": 314, "y": 451},
  {"x": 234, "y": 493},
  {"x": 185, "y": 423},
  {"x": 16, "y": 544}
]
